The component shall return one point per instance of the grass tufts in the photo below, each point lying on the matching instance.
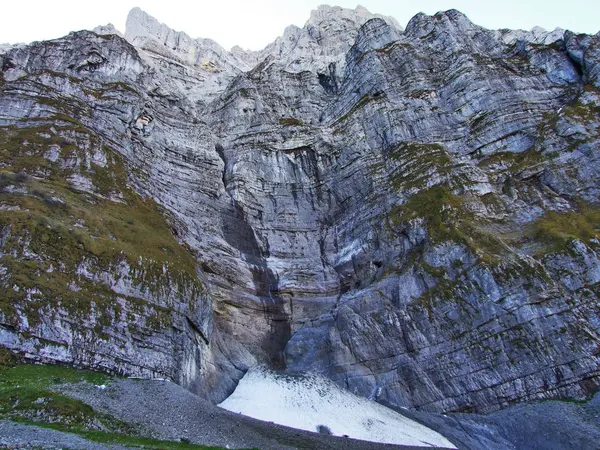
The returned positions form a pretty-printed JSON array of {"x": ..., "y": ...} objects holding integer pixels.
[{"x": 558, "y": 229}]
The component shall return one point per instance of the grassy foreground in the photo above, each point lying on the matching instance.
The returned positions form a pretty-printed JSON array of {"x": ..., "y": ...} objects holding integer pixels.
[{"x": 27, "y": 395}]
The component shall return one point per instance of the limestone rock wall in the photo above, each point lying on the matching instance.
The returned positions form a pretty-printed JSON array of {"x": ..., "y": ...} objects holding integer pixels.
[{"x": 412, "y": 213}]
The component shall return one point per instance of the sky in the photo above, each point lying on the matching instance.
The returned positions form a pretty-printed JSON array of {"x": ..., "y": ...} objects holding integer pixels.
[{"x": 253, "y": 24}]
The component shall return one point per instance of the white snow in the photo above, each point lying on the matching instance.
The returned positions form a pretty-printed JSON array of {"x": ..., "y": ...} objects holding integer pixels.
[{"x": 308, "y": 401}]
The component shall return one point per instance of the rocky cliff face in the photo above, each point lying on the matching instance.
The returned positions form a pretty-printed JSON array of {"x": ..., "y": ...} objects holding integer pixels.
[{"x": 412, "y": 213}]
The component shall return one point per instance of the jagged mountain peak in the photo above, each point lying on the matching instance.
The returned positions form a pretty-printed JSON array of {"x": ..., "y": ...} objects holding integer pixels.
[
  {"x": 330, "y": 20},
  {"x": 452, "y": 21},
  {"x": 141, "y": 25},
  {"x": 320, "y": 46},
  {"x": 324, "y": 15},
  {"x": 198, "y": 60}
]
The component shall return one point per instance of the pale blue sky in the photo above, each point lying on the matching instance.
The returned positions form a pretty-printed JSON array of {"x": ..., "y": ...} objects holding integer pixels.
[{"x": 254, "y": 23}]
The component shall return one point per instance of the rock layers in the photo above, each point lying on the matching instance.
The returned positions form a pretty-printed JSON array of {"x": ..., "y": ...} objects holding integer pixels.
[{"x": 410, "y": 213}]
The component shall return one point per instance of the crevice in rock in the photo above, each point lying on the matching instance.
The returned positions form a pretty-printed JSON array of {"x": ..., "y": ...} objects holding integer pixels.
[
  {"x": 267, "y": 289},
  {"x": 329, "y": 80},
  {"x": 197, "y": 330},
  {"x": 577, "y": 64},
  {"x": 221, "y": 152}
]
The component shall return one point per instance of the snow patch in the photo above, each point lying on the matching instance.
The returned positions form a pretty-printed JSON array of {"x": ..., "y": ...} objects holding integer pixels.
[{"x": 312, "y": 402}]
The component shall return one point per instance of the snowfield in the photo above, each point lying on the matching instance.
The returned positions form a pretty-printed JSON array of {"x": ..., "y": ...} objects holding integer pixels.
[{"x": 310, "y": 402}]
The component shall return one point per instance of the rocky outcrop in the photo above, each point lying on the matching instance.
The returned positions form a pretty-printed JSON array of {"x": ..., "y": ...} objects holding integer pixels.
[
  {"x": 321, "y": 45},
  {"x": 413, "y": 214},
  {"x": 107, "y": 29}
]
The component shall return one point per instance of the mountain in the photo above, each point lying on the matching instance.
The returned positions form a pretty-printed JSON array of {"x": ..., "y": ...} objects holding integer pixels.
[{"x": 413, "y": 214}]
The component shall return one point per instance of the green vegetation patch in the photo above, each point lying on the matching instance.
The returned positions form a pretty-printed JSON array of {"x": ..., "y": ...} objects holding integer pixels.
[
  {"x": 129, "y": 440},
  {"x": 65, "y": 228},
  {"x": 387, "y": 48},
  {"x": 290, "y": 122},
  {"x": 239, "y": 93},
  {"x": 364, "y": 100},
  {"x": 514, "y": 162},
  {"x": 120, "y": 86},
  {"x": 50, "y": 228},
  {"x": 479, "y": 121},
  {"x": 68, "y": 225},
  {"x": 109, "y": 88},
  {"x": 558, "y": 229},
  {"x": 586, "y": 112},
  {"x": 27, "y": 394},
  {"x": 416, "y": 163},
  {"x": 22, "y": 150},
  {"x": 556, "y": 46},
  {"x": 447, "y": 219},
  {"x": 437, "y": 206},
  {"x": 55, "y": 74}
]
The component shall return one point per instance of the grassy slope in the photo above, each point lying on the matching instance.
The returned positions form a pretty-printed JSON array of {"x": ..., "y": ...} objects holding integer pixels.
[
  {"x": 27, "y": 395},
  {"x": 50, "y": 226}
]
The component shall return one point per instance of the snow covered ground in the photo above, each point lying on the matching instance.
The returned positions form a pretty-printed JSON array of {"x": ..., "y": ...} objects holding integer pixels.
[{"x": 310, "y": 401}]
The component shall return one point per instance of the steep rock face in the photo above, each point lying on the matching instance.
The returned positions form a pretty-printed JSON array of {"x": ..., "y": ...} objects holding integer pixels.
[
  {"x": 91, "y": 273},
  {"x": 413, "y": 214}
]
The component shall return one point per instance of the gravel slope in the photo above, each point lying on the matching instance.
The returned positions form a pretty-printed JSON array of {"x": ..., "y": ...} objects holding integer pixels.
[
  {"x": 15, "y": 435},
  {"x": 166, "y": 411}
]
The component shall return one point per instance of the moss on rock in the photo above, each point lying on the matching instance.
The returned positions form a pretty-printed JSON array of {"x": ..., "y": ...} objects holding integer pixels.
[
  {"x": 558, "y": 229},
  {"x": 53, "y": 231}
]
